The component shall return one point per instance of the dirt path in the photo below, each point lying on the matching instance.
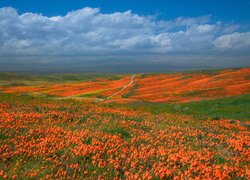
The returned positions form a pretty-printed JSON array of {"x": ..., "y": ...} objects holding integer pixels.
[
  {"x": 123, "y": 88},
  {"x": 102, "y": 99}
]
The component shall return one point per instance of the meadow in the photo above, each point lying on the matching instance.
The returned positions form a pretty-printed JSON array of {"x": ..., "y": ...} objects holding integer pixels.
[{"x": 184, "y": 125}]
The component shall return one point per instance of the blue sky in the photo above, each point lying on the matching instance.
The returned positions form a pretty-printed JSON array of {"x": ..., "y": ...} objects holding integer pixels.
[
  {"x": 200, "y": 32},
  {"x": 223, "y": 10}
]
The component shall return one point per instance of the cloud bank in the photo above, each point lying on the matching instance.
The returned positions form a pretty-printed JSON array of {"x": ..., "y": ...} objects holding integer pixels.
[{"x": 88, "y": 31}]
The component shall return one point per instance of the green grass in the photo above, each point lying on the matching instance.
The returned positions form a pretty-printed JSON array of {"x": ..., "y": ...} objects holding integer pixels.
[
  {"x": 91, "y": 94},
  {"x": 2, "y": 136},
  {"x": 185, "y": 77},
  {"x": 13, "y": 79},
  {"x": 231, "y": 107},
  {"x": 201, "y": 92},
  {"x": 247, "y": 77},
  {"x": 118, "y": 130},
  {"x": 188, "y": 73}
]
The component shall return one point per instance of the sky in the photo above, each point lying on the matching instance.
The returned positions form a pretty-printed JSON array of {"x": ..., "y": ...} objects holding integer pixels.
[{"x": 107, "y": 34}]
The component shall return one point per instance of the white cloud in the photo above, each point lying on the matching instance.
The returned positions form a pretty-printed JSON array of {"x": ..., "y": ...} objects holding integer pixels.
[
  {"x": 205, "y": 28},
  {"x": 88, "y": 31},
  {"x": 234, "y": 41}
]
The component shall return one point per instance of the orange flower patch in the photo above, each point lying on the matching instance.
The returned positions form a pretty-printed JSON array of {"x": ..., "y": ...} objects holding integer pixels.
[{"x": 63, "y": 140}]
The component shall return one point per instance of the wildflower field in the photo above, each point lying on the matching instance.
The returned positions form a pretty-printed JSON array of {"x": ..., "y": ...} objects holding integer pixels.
[{"x": 192, "y": 125}]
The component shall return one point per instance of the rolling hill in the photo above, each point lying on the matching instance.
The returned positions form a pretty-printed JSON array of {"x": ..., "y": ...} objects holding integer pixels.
[{"x": 185, "y": 125}]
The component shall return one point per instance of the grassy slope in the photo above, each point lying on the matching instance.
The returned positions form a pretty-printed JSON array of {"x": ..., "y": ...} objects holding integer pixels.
[
  {"x": 6, "y": 77},
  {"x": 232, "y": 107},
  {"x": 30, "y": 79}
]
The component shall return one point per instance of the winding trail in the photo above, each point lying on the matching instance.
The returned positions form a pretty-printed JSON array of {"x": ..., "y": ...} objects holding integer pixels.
[
  {"x": 102, "y": 99},
  {"x": 123, "y": 88}
]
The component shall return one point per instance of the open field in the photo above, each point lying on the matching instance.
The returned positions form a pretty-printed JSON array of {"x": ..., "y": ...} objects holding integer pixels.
[
  {"x": 171, "y": 88},
  {"x": 188, "y": 125}
]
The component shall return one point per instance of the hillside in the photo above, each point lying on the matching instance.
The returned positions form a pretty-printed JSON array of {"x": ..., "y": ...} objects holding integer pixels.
[
  {"x": 171, "y": 88},
  {"x": 143, "y": 126},
  {"x": 63, "y": 139}
]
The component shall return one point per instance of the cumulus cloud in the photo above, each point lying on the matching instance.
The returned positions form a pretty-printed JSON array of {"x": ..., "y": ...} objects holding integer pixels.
[
  {"x": 88, "y": 31},
  {"x": 235, "y": 41}
]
